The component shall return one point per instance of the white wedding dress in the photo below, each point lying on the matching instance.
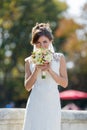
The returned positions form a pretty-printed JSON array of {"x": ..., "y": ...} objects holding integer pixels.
[{"x": 43, "y": 110}]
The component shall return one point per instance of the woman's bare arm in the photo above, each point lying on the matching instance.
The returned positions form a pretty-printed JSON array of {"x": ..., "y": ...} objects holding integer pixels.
[
  {"x": 61, "y": 79},
  {"x": 30, "y": 78}
]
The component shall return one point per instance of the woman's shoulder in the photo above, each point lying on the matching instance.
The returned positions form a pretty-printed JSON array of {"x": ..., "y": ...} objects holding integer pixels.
[
  {"x": 57, "y": 56},
  {"x": 27, "y": 59}
]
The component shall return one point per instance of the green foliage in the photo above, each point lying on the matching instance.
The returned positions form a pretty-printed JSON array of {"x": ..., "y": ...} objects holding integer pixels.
[{"x": 17, "y": 17}]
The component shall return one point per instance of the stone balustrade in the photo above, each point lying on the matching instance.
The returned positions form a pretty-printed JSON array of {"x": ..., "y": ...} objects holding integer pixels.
[{"x": 12, "y": 119}]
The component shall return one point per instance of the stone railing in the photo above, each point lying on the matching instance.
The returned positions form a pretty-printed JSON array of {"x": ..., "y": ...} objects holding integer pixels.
[
  {"x": 74, "y": 120},
  {"x": 12, "y": 119}
]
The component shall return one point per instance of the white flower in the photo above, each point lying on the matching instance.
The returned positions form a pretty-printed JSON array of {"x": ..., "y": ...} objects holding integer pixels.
[{"x": 41, "y": 56}]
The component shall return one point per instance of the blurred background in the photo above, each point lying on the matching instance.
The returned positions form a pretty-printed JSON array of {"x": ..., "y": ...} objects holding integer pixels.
[{"x": 68, "y": 20}]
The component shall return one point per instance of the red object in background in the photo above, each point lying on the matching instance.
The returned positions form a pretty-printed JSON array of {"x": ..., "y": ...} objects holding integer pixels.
[{"x": 72, "y": 94}]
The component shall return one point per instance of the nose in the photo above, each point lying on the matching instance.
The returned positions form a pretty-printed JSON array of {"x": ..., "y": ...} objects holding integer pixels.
[{"x": 42, "y": 45}]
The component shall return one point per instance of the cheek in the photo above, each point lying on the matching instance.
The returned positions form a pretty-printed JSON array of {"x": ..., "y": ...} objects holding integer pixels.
[
  {"x": 47, "y": 45},
  {"x": 38, "y": 46}
]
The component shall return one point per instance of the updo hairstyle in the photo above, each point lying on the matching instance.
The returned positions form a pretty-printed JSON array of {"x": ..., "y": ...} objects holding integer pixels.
[{"x": 42, "y": 29}]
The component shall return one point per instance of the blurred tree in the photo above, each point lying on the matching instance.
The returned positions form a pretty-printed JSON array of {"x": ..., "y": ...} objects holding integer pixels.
[
  {"x": 65, "y": 31},
  {"x": 73, "y": 40},
  {"x": 17, "y": 17},
  {"x": 76, "y": 48}
]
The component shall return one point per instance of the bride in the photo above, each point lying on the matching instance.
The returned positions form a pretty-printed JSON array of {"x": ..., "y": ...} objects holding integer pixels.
[{"x": 43, "y": 110}]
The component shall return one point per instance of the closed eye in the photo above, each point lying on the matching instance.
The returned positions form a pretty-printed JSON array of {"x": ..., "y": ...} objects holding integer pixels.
[{"x": 45, "y": 41}]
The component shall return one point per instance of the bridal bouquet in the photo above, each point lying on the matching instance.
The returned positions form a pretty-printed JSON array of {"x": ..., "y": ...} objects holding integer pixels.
[{"x": 40, "y": 57}]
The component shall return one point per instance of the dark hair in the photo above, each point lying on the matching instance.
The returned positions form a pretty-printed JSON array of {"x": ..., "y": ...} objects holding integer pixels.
[{"x": 39, "y": 30}]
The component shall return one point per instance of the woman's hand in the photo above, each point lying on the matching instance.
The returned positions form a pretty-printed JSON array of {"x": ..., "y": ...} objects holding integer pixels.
[{"x": 44, "y": 67}]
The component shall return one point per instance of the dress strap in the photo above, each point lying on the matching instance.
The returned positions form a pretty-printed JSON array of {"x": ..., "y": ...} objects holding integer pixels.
[{"x": 27, "y": 59}]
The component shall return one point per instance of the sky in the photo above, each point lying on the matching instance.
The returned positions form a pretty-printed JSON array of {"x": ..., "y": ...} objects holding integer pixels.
[{"x": 75, "y": 7}]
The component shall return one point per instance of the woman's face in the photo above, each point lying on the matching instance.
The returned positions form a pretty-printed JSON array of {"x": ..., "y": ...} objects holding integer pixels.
[{"x": 43, "y": 42}]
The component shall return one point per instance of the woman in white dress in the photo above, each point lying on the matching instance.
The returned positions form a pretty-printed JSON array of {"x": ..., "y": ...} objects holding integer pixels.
[{"x": 43, "y": 110}]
